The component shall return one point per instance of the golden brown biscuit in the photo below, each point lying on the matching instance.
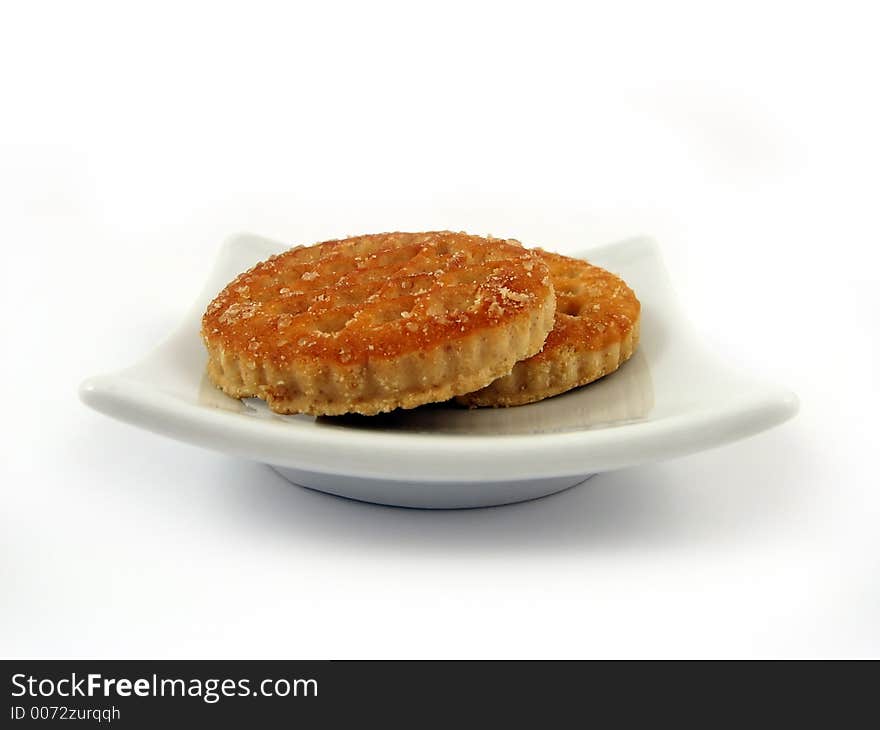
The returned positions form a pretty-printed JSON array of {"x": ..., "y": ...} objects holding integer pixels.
[
  {"x": 373, "y": 323},
  {"x": 596, "y": 330}
]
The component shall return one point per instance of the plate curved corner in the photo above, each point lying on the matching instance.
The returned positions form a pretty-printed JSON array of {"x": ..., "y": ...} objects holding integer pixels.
[
  {"x": 638, "y": 246},
  {"x": 100, "y": 393},
  {"x": 250, "y": 242}
]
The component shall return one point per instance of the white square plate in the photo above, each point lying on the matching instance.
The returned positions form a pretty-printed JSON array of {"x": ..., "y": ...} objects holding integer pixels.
[{"x": 671, "y": 398}]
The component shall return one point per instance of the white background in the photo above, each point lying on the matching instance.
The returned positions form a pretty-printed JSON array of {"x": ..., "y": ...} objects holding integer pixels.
[{"x": 744, "y": 137}]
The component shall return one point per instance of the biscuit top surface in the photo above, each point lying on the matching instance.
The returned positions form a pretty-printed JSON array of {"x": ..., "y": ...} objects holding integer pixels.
[
  {"x": 594, "y": 308},
  {"x": 375, "y": 296}
]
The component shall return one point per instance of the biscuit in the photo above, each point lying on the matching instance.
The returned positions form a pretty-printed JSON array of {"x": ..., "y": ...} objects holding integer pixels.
[
  {"x": 596, "y": 330},
  {"x": 373, "y": 323}
]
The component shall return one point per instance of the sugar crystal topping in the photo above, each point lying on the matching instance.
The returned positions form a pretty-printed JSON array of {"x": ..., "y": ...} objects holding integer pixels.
[{"x": 376, "y": 295}]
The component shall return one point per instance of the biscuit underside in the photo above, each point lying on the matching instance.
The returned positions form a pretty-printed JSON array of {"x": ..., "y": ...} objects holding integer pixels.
[
  {"x": 569, "y": 368},
  {"x": 466, "y": 364}
]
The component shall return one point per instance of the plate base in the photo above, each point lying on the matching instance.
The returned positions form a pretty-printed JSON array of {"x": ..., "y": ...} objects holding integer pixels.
[{"x": 427, "y": 494}]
